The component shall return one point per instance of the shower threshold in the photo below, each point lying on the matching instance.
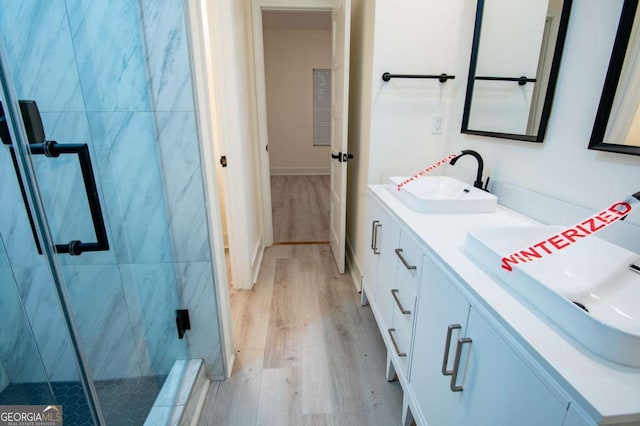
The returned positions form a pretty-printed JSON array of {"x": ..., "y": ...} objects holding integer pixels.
[{"x": 182, "y": 396}]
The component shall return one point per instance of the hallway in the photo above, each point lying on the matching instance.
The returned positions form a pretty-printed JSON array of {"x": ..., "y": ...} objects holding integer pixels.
[
  {"x": 300, "y": 205},
  {"x": 307, "y": 352}
]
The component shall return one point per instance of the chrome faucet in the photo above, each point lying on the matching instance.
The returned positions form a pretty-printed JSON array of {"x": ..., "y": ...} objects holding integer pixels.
[{"x": 478, "y": 182}]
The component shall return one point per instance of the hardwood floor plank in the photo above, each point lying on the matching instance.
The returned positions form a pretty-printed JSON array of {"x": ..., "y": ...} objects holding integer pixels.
[
  {"x": 318, "y": 420},
  {"x": 380, "y": 402},
  {"x": 275, "y": 252},
  {"x": 283, "y": 332},
  {"x": 235, "y": 402},
  {"x": 279, "y": 398},
  {"x": 300, "y": 208},
  {"x": 357, "y": 327},
  {"x": 322, "y": 360},
  {"x": 351, "y": 418},
  {"x": 314, "y": 259},
  {"x": 319, "y": 392},
  {"x": 252, "y": 309},
  {"x": 340, "y": 335}
]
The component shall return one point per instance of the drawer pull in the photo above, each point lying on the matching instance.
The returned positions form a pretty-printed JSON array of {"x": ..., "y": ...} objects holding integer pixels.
[
  {"x": 445, "y": 358},
  {"x": 456, "y": 364},
  {"x": 374, "y": 236},
  {"x": 404, "y": 261},
  {"x": 395, "y": 344},
  {"x": 394, "y": 293}
]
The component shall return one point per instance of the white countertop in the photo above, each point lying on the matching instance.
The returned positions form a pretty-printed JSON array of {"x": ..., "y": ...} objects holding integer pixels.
[{"x": 609, "y": 392}]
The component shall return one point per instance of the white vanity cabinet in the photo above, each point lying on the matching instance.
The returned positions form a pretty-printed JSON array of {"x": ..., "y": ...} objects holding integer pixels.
[
  {"x": 450, "y": 361},
  {"x": 502, "y": 364},
  {"x": 392, "y": 270},
  {"x": 464, "y": 372},
  {"x": 379, "y": 268}
]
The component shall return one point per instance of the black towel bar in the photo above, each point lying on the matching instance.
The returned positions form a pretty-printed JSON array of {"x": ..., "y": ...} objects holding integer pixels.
[
  {"x": 521, "y": 80},
  {"x": 442, "y": 77}
]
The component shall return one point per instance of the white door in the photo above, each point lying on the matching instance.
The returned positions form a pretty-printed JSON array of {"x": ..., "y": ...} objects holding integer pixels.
[{"x": 340, "y": 31}]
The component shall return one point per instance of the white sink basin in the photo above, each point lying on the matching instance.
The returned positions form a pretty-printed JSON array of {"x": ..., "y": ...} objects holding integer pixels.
[
  {"x": 443, "y": 194},
  {"x": 592, "y": 272}
]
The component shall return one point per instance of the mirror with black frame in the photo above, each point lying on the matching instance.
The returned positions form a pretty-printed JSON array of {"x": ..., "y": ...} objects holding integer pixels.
[
  {"x": 617, "y": 123},
  {"x": 517, "y": 47}
]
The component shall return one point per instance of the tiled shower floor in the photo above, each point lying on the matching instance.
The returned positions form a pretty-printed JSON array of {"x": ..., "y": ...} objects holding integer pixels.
[{"x": 123, "y": 401}]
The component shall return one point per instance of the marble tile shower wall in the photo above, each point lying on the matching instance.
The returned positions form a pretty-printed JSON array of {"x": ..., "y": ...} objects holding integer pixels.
[{"x": 116, "y": 75}]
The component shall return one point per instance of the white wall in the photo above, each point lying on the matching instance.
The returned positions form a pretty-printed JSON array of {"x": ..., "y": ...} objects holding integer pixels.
[
  {"x": 390, "y": 122},
  {"x": 409, "y": 39},
  {"x": 289, "y": 59},
  {"x": 361, "y": 59}
]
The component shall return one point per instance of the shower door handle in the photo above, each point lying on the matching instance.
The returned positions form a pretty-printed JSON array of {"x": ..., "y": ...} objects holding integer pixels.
[
  {"x": 39, "y": 146},
  {"x": 53, "y": 149}
]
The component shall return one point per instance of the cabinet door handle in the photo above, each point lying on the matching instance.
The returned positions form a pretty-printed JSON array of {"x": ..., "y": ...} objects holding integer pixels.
[
  {"x": 394, "y": 293},
  {"x": 445, "y": 358},
  {"x": 456, "y": 364},
  {"x": 373, "y": 234},
  {"x": 404, "y": 261},
  {"x": 395, "y": 344},
  {"x": 374, "y": 245}
]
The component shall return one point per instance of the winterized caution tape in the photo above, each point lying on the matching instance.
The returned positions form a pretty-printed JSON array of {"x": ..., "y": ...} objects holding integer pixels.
[
  {"x": 566, "y": 238},
  {"x": 435, "y": 165}
]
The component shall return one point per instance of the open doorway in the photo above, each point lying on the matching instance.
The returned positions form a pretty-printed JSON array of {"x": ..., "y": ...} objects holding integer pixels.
[
  {"x": 339, "y": 74},
  {"x": 297, "y": 63}
]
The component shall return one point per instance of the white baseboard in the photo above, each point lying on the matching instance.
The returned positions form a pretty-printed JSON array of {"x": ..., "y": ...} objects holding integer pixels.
[
  {"x": 230, "y": 362},
  {"x": 291, "y": 171},
  {"x": 352, "y": 265}
]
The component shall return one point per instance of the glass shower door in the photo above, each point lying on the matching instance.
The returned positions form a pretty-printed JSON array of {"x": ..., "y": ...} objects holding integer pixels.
[
  {"x": 24, "y": 380},
  {"x": 95, "y": 133},
  {"x": 40, "y": 362}
]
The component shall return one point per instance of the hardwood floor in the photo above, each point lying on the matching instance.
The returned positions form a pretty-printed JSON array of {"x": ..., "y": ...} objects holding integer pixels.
[
  {"x": 300, "y": 208},
  {"x": 307, "y": 352}
]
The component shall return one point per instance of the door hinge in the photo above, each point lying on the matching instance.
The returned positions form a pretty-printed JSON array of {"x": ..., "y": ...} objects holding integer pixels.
[
  {"x": 223, "y": 161},
  {"x": 182, "y": 322}
]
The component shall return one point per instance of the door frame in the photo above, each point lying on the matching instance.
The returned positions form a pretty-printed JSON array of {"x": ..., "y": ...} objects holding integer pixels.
[
  {"x": 257, "y": 6},
  {"x": 204, "y": 82}
]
